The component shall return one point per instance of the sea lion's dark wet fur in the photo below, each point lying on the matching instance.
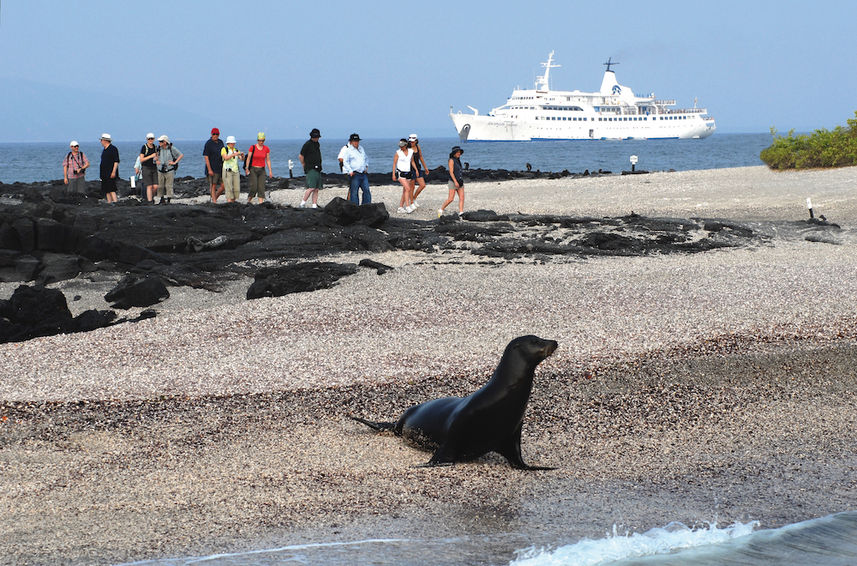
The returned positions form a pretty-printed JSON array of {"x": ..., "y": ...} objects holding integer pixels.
[{"x": 489, "y": 420}]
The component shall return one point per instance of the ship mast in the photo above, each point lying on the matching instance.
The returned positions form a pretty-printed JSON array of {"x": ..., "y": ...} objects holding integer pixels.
[{"x": 543, "y": 82}]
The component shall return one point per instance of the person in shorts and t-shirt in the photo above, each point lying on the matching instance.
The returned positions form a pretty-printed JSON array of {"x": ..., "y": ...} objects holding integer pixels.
[
  {"x": 214, "y": 164},
  {"x": 310, "y": 157}
]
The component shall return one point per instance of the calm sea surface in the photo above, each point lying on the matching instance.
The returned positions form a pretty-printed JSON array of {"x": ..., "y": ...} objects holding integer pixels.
[{"x": 32, "y": 162}]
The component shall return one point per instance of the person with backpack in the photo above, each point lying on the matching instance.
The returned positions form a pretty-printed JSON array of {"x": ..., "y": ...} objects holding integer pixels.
[
  {"x": 231, "y": 177},
  {"x": 258, "y": 156},
  {"x": 74, "y": 169},
  {"x": 148, "y": 169},
  {"x": 167, "y": 162}
]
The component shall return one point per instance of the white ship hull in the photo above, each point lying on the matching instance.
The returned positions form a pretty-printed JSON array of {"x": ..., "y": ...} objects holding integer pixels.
[
  {"x": 476, "y": 127},
  {"x": 614, "y": 112}
]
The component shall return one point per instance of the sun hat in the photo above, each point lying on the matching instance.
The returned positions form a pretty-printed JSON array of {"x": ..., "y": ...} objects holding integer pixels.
[
  {"x": 455, "y": 149},
  {"x": 150, "y": 136},
  {"x": 164, "y": 138},
  {"x": 353, "y": 137},
  {"x": 230, "y": 139},
  {"x": 74, "y": 144},
  {"x": 215, "y": 131},
  {"x": 106, "y": 136},
  {"x": 260, "y": 136},
  {"x": 412, "y": 137},
  {"x": 315, "y": 133}
]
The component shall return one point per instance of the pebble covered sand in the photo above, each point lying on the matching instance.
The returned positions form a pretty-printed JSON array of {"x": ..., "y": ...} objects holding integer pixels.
[{"x": 717, "y": 385}]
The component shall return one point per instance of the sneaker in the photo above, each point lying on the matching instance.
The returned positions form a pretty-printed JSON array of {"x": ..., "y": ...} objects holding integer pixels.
[
  {"x": 410, "y": 209},
  {"x": 439, "y": 212},
  {"x": 415, "y": 205},
  {"x": 314, "y": 205},
  {"x": 400, "y": 210},
  {"x": 303, "y": 204},
  {"x": 461, "y": 214}
]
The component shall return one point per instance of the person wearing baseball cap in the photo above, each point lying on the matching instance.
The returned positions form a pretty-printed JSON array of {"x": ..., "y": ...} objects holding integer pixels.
[
  {"x": 310, "y": 157},
  {"x": 258, "y": 157},
  {"x": 214, "y": 164},
  {"x": 149, "y": 170},
  {"x": 109, "y": 168},
  {"x": 74, "y": 169},
  {"x": 356, "y": 165}
]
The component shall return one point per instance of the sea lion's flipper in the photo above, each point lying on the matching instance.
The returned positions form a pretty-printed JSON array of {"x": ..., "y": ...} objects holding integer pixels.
[
  {"x": 379, "y": 426},
  {"x": 511, "y": 450}
]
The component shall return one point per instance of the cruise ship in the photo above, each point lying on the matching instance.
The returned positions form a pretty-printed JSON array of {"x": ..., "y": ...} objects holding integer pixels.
[{"x": 612, "y": 113}]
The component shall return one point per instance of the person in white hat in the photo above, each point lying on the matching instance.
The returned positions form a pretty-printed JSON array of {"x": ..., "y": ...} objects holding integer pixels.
[
  {"x": 74, "y": 169},
  {"x": 109, "y": 168},
  {"x": 231, "y": 169},
  {"x": 149, "y": 170},
  {"x": 167, "y": 162}
]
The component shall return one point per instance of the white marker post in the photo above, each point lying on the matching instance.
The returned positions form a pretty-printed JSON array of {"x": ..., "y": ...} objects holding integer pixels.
[
  {"x": 633, "y": 162},
  {"x": 809, "y": 207}
]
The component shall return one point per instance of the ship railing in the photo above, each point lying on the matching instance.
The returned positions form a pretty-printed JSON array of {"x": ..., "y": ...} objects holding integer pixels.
[
  {"x": 666, "y": 102},
  {"x": 685, "y": 111}
]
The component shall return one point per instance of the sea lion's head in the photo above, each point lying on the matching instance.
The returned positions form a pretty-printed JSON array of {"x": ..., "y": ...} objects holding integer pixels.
[{"x": 533, "y": 348}]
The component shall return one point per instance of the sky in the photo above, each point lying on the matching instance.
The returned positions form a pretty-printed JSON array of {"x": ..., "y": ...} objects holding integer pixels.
[{"x": 75, "y": 69}]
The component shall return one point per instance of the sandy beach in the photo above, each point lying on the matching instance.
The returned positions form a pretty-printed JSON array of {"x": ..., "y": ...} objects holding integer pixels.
[{"x": 716, "y": 386}]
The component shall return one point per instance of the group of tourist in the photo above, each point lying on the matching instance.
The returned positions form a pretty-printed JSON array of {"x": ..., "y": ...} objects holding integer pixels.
[{"x": 156, "y": 167}]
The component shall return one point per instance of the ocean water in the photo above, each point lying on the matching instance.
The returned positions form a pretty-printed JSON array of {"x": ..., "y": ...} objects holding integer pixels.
[
  {"x": 33, "y": 162},
  {"x": 828, "y": 541}
]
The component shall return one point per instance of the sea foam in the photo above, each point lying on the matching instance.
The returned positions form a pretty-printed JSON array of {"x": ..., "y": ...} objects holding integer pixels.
[{"x": 618, "y": 547}]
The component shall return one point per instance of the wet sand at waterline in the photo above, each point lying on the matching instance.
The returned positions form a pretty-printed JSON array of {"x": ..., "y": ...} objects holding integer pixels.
[{"x": 711, "y": 386}]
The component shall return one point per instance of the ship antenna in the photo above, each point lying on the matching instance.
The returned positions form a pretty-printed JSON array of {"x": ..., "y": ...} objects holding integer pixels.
[
  {"x": 610, "y": 62},
  {"x": 542, "y": 82}
]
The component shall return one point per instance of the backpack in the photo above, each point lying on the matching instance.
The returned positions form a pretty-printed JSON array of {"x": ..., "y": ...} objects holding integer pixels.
[{"x": 248, "y": 158}]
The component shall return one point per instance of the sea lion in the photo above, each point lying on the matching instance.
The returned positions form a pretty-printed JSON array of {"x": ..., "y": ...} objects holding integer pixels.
[{"x": 488, "y": 420}]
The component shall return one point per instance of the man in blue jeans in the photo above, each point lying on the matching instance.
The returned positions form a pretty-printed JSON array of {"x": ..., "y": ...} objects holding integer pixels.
[{"x": 356, "y": 165}]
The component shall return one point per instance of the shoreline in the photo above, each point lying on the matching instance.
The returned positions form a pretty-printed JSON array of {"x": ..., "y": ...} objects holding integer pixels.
[{"x": 701, "y": 387}]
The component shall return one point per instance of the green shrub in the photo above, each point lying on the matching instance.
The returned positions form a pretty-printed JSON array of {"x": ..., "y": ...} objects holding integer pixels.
[{"x": 822, "y": 148}]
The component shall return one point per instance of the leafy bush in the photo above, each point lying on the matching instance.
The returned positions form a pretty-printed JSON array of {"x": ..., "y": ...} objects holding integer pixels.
[{"x": 822, "y": 148}]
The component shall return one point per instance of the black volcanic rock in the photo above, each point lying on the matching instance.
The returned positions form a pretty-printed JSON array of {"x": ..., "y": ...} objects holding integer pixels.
[
  {"x": 136, "y": 291},
  {"x": 37, "y": 311},
  {"x": 298, "y": 278}
]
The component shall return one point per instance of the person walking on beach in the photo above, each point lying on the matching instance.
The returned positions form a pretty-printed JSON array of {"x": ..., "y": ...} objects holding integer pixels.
[
  {"x": 418, "y": 183},
  {"x": 231, "y": 171},
  {"x": 167, "y": 162},
  {"x": 356, "y": 166},
  {"x": 258, "y": 156},
  {"x": 403, "y": 171},
  {"x": 310, "y": 157},
  {"x": 214, "y": 164},
  {"x": 456, "y": 181},
  {"x": 109, "y": 168},
  {"x": 148, "y": 167},
  {"x": 74, "y": 169}
]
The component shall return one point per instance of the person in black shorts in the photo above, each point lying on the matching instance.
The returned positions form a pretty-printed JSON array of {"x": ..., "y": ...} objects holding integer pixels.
[
  {"x": 418, "y": 183},
  {"x": 149, "y": 170},
  {"x": 109, "y": 167}
]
